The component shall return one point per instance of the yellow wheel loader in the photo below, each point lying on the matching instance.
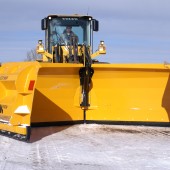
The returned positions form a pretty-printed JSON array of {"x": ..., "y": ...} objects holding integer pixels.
[{"x": 69, "y": 86}]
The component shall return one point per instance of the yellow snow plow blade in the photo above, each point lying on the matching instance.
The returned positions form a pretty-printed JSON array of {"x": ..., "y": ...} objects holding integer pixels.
[
  {"x": 57, "y": 94},
  {"x": 130, "y": 92},
  {"x": 16, "y": 95},
  {"x": 40, "y": 93},
  {"x": 33, "y": 92}
]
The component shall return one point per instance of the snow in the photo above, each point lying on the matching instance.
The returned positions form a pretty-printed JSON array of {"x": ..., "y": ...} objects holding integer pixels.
[{"x": 88, "y": 146}]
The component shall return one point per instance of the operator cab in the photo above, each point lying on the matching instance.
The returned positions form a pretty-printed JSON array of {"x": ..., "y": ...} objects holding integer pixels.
[{"x": 81, "y": 28}]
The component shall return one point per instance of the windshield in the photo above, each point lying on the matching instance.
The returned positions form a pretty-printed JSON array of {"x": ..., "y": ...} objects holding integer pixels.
[{"x": 61, "y": 30}]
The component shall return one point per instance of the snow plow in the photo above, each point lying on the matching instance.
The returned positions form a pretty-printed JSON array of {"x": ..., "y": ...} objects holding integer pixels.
[{"x": 69, "y": 86}]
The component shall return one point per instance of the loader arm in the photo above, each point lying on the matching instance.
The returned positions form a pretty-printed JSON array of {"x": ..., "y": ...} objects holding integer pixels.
[{"x": 86, "y": 74}]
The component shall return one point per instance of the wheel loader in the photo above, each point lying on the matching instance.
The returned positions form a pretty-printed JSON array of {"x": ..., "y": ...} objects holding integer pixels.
[{"x": 68, "y": 85}]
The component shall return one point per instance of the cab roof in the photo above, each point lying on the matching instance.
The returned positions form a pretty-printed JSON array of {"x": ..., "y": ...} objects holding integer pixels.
[{"x": 66, "y": 16}]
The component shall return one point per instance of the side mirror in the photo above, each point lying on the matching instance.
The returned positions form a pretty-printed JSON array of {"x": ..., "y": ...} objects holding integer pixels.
[
  {"x": 95, "y": 25},
  {"x": 44, "y": 24}
]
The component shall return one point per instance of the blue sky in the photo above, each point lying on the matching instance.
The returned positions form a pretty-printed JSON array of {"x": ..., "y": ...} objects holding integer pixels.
[{"x": 134, "y": 31}]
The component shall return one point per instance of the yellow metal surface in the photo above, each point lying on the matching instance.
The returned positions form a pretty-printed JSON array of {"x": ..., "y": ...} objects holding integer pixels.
[
  {"x": 14, "y": 129},
  {"x": 137, "y": 92},
  {"x": 118, "y": 92},
  {"x": 64, "y": 53},
  {"x": 15, "y": 96},
  {"x": 56, "y": 97}
]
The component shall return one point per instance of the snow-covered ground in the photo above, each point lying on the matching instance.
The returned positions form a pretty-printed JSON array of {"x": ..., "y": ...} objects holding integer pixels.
[{"x": 86, "y": 147}]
